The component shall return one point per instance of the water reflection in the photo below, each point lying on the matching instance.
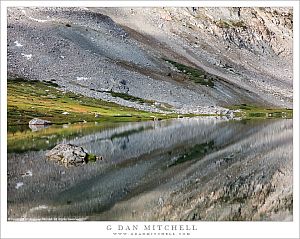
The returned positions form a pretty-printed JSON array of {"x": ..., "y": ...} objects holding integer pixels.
[
  {"x": 38, "y": 127},
  {"x": 149, "y": 162}
]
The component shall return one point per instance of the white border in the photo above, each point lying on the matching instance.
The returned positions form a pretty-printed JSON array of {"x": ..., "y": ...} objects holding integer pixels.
[{"x": 98, "y": 229}]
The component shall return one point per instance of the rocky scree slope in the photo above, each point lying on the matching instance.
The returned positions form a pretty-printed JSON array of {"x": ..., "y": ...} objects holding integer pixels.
[{"x": 187, "y": 60}]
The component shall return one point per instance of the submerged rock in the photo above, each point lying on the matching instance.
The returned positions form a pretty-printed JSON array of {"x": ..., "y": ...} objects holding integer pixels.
[
  {"x": 37, "y": 121},
  {"x": 70, "y": 155}
]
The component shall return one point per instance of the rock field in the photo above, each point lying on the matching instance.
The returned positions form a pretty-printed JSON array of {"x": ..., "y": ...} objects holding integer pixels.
[{"x": 93, "y": 51}]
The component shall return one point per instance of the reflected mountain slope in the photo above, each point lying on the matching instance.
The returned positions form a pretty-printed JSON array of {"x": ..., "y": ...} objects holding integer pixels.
[{"x": 183, "y": 169}]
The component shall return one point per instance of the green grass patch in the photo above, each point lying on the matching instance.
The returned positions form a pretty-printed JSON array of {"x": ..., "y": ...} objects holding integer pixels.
[
  {"x": 130, "y": 97},
  {"x": 29, "y": 99},
  {"x": 130, "y": 132},
  {"x": 252, "y": 111},
  {"x": 196, "y": 75},
  {"x": 222, "y": 24},
  {"x": 22, "y": 139},
  {"x": 198, "y": 151},
  {"x": 91, "y": 158},
  {"x": 230, "y": 24}
]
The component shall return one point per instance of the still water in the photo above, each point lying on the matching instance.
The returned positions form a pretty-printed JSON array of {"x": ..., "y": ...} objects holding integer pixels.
[{"x": 180, "y": 169}]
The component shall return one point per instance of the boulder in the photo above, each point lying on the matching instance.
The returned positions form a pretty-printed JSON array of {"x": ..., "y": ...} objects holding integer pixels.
[
  {"x": 37, "y": 127},
  {"x": 37, "y": 121},
  {"x": 70, "y": 155}
]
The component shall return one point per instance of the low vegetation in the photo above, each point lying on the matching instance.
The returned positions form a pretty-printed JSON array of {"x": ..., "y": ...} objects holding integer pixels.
[
  {"x": 91, "y": 158},
  {"x": 230, "y": 24},
  {"x": 30, "y": 99},
  {"x": 69, "y": 112},
  {"x": 194, "y": 74},
  {"x": 248, "y": 111},
  {"x": 130, "y": 97},
  {"x": 196, "y": 152},
  {"x": 21, "y": 139}
]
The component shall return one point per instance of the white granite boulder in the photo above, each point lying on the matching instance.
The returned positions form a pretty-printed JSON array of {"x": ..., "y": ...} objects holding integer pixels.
[
  {"x": 70, "y": 155},
  {"x": 37, "y": 121}
]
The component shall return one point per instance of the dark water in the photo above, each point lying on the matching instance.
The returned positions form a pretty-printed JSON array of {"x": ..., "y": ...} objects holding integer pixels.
[{"x": 146, "y": 165}]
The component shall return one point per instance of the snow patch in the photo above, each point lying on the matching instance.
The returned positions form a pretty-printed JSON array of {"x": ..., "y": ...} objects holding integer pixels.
[
  {"x": 37, "y": 20},
  {"x": 18, "y": 44},
  {"x": 28, "y": 57},
  {"x": 20, "y": 184},
  {"x": 33, "y": 19},
  {"x": 81, "y": 78}
]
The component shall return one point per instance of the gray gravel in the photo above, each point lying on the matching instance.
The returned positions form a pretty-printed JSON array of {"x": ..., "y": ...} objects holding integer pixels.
[{"x": 90, "y": 50}]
